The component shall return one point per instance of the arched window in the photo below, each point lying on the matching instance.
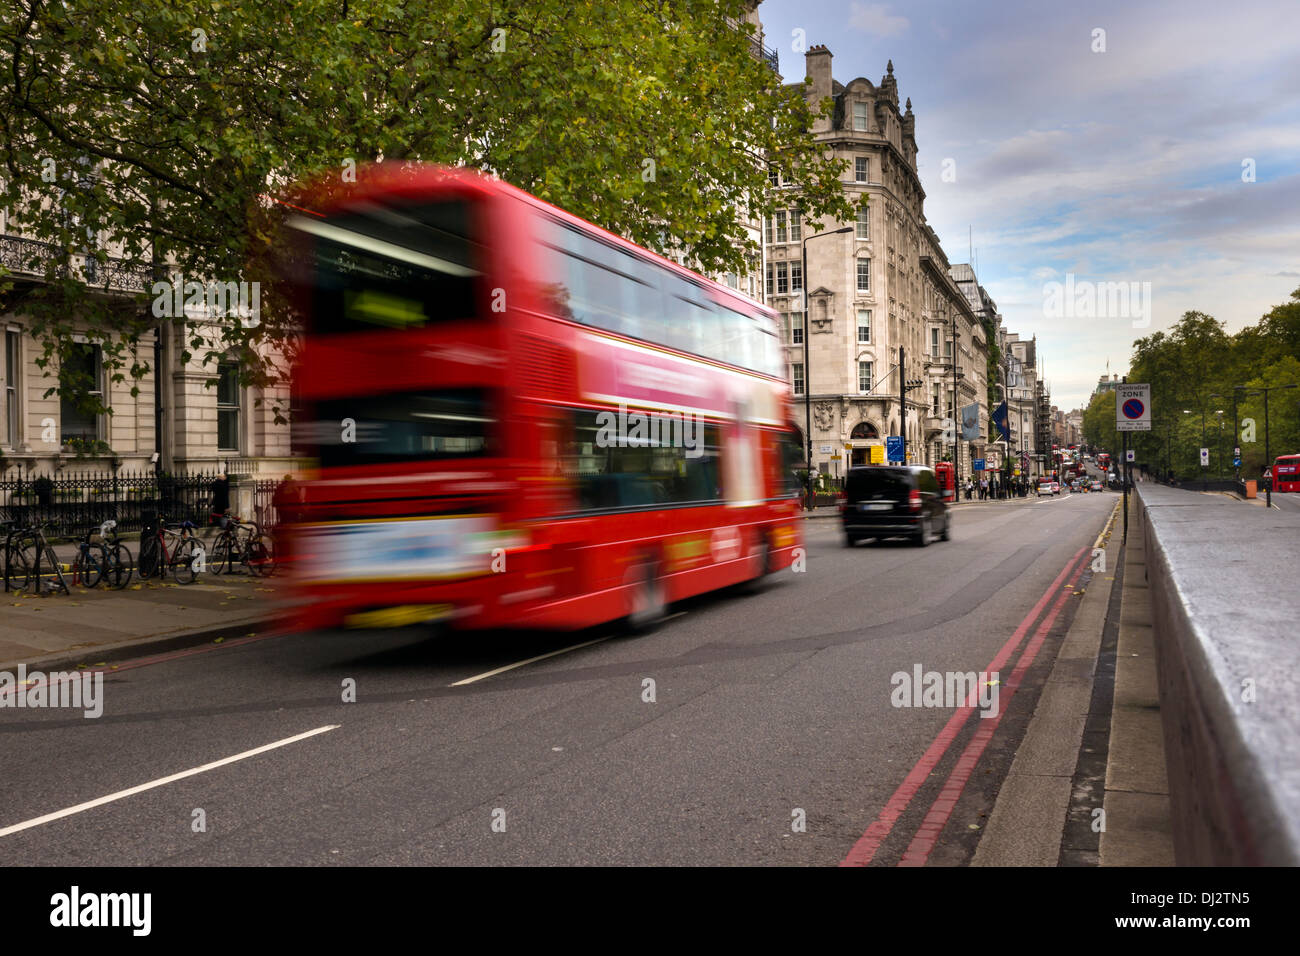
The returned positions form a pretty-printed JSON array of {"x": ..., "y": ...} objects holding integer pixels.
[{"x": 864, "y": 430}]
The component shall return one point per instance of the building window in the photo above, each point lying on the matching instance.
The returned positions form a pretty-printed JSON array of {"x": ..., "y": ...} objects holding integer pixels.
[
  {"x": 934, "y": 342},
  {"x": 864, "y": 223},
  {"x": 80, "y": 391},
  {"x": 774, "y": 175},
  {"x": 796, "y": 376},
  {"x": 779, "y": 219},
  {"x": 782, "y": 281},
  {"x": 864, "y": 325},
  {"x": 796, "y": 328},
  {"x": 227, "y": 406},
  {"x": 796, "y": 215},
  {"x": 796, "y": 277},
  {"x": 860, "y": 116},
  {"x": 864, "y": 377},
  {"x": 937, "y": 403},
  {"x": 860, "y": 169},
  {"x": 12, "y": 362},
  {"x": 864, "y": 275}
]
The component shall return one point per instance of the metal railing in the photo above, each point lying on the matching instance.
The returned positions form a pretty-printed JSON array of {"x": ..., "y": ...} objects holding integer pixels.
[{"x": 69, "y": 504}]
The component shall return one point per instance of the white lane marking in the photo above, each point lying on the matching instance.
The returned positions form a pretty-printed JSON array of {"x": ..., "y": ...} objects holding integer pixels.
[
  {"x": 542, "y": 657},
  {"x": 510, "y": 667},
  {"x": 131, "y": 791}
]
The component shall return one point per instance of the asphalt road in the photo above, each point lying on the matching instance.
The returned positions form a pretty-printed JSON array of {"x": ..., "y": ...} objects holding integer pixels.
[{"x": 765, "y": 707}]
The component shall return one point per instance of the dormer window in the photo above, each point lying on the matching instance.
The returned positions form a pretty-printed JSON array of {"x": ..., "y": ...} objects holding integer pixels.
[{"x": 860, "y": 116}]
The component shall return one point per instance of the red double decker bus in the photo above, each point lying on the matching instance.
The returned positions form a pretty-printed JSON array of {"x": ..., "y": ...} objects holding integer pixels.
[
  {"x": 1286, "y": 473},
  {"x": 521, "y": 419}
]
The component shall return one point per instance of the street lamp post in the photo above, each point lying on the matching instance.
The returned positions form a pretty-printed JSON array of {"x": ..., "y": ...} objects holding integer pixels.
[
  {"x": 807, "y": 369},
  {"x": 1268, "y": 453}
]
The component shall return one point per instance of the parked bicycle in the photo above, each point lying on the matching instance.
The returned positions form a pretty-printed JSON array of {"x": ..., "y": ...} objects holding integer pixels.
[
  {"x": 166, "y": 549},
  {"x": 29, "y": 558},
  {"x": 241, "y": 543},
  {"x": 106, "y": 560}
]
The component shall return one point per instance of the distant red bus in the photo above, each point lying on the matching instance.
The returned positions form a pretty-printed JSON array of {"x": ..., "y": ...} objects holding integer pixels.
[
  {"x": 521, "y": 419},
  {"x": 1103, "y": 461},
  {"x": 1286, "y": 473}
]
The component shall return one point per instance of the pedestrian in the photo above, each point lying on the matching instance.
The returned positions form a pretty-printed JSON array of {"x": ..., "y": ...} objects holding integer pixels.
[
  {"x": 287, "y": 501},
  {"x": 220, "y": 499}
]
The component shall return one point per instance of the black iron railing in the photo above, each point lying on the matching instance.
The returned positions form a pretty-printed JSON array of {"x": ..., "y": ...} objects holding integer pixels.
[{"x": 70, "y": 503}]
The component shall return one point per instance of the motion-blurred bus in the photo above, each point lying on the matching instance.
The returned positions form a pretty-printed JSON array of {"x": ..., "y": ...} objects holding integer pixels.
[{"x": 521, "y": 419}]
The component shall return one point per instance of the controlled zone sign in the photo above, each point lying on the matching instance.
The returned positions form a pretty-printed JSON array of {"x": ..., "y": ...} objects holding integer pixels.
[{"x": 1133, "y": 408}]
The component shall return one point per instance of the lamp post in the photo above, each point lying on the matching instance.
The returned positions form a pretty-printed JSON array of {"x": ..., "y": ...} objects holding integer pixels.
[
  {"x": 807, "y": 370},
  {"x": 1268, "y": 454}
]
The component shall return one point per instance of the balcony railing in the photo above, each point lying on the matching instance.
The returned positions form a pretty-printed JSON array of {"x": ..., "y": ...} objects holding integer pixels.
[
  {"x": 766, "y": 54},
  {"x": 31, "y": 257}
]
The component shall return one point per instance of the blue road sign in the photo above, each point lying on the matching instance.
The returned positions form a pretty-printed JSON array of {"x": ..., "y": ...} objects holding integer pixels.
[
  {"x": 1236, "y": 463},
  {"x": 978, "y": 464},
  {"x": 894, "y": 447}
]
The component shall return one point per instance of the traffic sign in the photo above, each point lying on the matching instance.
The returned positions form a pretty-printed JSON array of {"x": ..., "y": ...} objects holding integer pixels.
[
  {"x": 1205, "y": 457},
  {"x": 894, "y": 447},
  {"x": 978, "y": 464},
  {"x": 1236, "y": 463},
  {"x": 1133, "y": 408},
  {"x": 1130, "y": 455}
]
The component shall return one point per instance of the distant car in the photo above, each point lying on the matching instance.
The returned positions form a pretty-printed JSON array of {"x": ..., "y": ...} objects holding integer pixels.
[
  {"x": 1045, "y": 487},
  {"x": 1097, "y": 485},
  {"x": 1056, "y": 487},
  {"x": 894, "y": 501}
]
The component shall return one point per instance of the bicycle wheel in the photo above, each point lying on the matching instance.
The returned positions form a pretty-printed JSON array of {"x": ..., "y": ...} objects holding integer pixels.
[
  {"x": 183, "y": 560},
  {"x": 57, "y": 580},
  {"x": 92, "y": 561},
  {"x": 259, "y": 554},
  {"x": 117, "y": 568},
  {"x": 219, "y": 558},
  {"x": 18, "y": 570}
]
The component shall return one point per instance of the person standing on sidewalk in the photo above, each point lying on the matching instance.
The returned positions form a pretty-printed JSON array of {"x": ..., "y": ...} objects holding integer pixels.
[{"x": 220, "y": 498}]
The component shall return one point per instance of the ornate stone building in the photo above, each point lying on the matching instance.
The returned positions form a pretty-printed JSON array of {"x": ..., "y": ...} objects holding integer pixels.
[{"x": 879, "y": 286}]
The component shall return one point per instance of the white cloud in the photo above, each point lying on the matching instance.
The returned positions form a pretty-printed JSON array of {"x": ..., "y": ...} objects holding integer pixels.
[{"x": 876, "y": 19}]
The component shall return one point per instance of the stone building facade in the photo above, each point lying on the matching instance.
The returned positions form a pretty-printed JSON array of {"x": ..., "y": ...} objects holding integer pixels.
[
  {"x": 881, "y": 286},
  {"x": 193, "y": 415}
]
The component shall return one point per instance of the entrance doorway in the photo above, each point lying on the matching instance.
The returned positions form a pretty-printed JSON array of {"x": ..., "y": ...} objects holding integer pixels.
[{"x": 862, "y": 431}]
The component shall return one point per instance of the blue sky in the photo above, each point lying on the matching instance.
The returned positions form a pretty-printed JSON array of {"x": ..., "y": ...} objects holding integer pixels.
[{"x": 1115, "y": 166}]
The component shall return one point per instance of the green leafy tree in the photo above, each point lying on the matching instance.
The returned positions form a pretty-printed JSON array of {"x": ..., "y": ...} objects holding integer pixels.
[{"x": 147, "y": 135}]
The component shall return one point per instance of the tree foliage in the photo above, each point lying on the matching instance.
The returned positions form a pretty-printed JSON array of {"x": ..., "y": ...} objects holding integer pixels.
[
  {"x": 161, "y": 126},
  {"x": 1194, "y": 369}
]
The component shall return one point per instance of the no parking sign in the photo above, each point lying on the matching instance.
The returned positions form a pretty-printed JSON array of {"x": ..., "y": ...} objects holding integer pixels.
[{"x": 1133, "y": 408}]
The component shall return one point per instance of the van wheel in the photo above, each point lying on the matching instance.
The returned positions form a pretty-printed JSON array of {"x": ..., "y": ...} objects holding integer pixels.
[
  {"x": 923, "y": 534},
  {"x": 851, "y": 539},
  {"x": 648, "y": 605}
]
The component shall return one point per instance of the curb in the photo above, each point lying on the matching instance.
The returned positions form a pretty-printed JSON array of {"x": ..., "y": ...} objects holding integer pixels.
[{"x": 104, "y": 654}]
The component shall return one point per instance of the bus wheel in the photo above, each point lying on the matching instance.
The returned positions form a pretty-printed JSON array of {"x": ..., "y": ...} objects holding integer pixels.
[
  {"x": 648, "y": 605},
  {"x": 760, "y": 564}
]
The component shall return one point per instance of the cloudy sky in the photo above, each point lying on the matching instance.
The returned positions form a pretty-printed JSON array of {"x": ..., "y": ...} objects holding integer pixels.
[{"x": 1126, "y": 165}]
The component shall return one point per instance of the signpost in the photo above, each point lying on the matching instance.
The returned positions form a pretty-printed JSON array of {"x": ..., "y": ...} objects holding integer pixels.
[
  {"x": 1132, "y": 414},
  {"x": 1130, "y": 455},
  {"x": 1205, "y": 458},
  {"x": 1133, "y": 408},
  {"x": 978, "y": 464},
  {"x": 894, "y": 447}
]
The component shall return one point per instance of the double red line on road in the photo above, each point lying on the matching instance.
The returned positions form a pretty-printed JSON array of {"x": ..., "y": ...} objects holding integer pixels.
[{"x": 865, "y": 849}]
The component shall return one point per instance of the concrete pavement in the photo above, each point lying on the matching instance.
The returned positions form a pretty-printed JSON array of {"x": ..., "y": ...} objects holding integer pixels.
[{"x": 91, "y": 626}]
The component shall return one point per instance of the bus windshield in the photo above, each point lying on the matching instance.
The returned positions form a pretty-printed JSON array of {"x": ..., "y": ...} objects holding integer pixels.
[{"x": 377, "y": 268}]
